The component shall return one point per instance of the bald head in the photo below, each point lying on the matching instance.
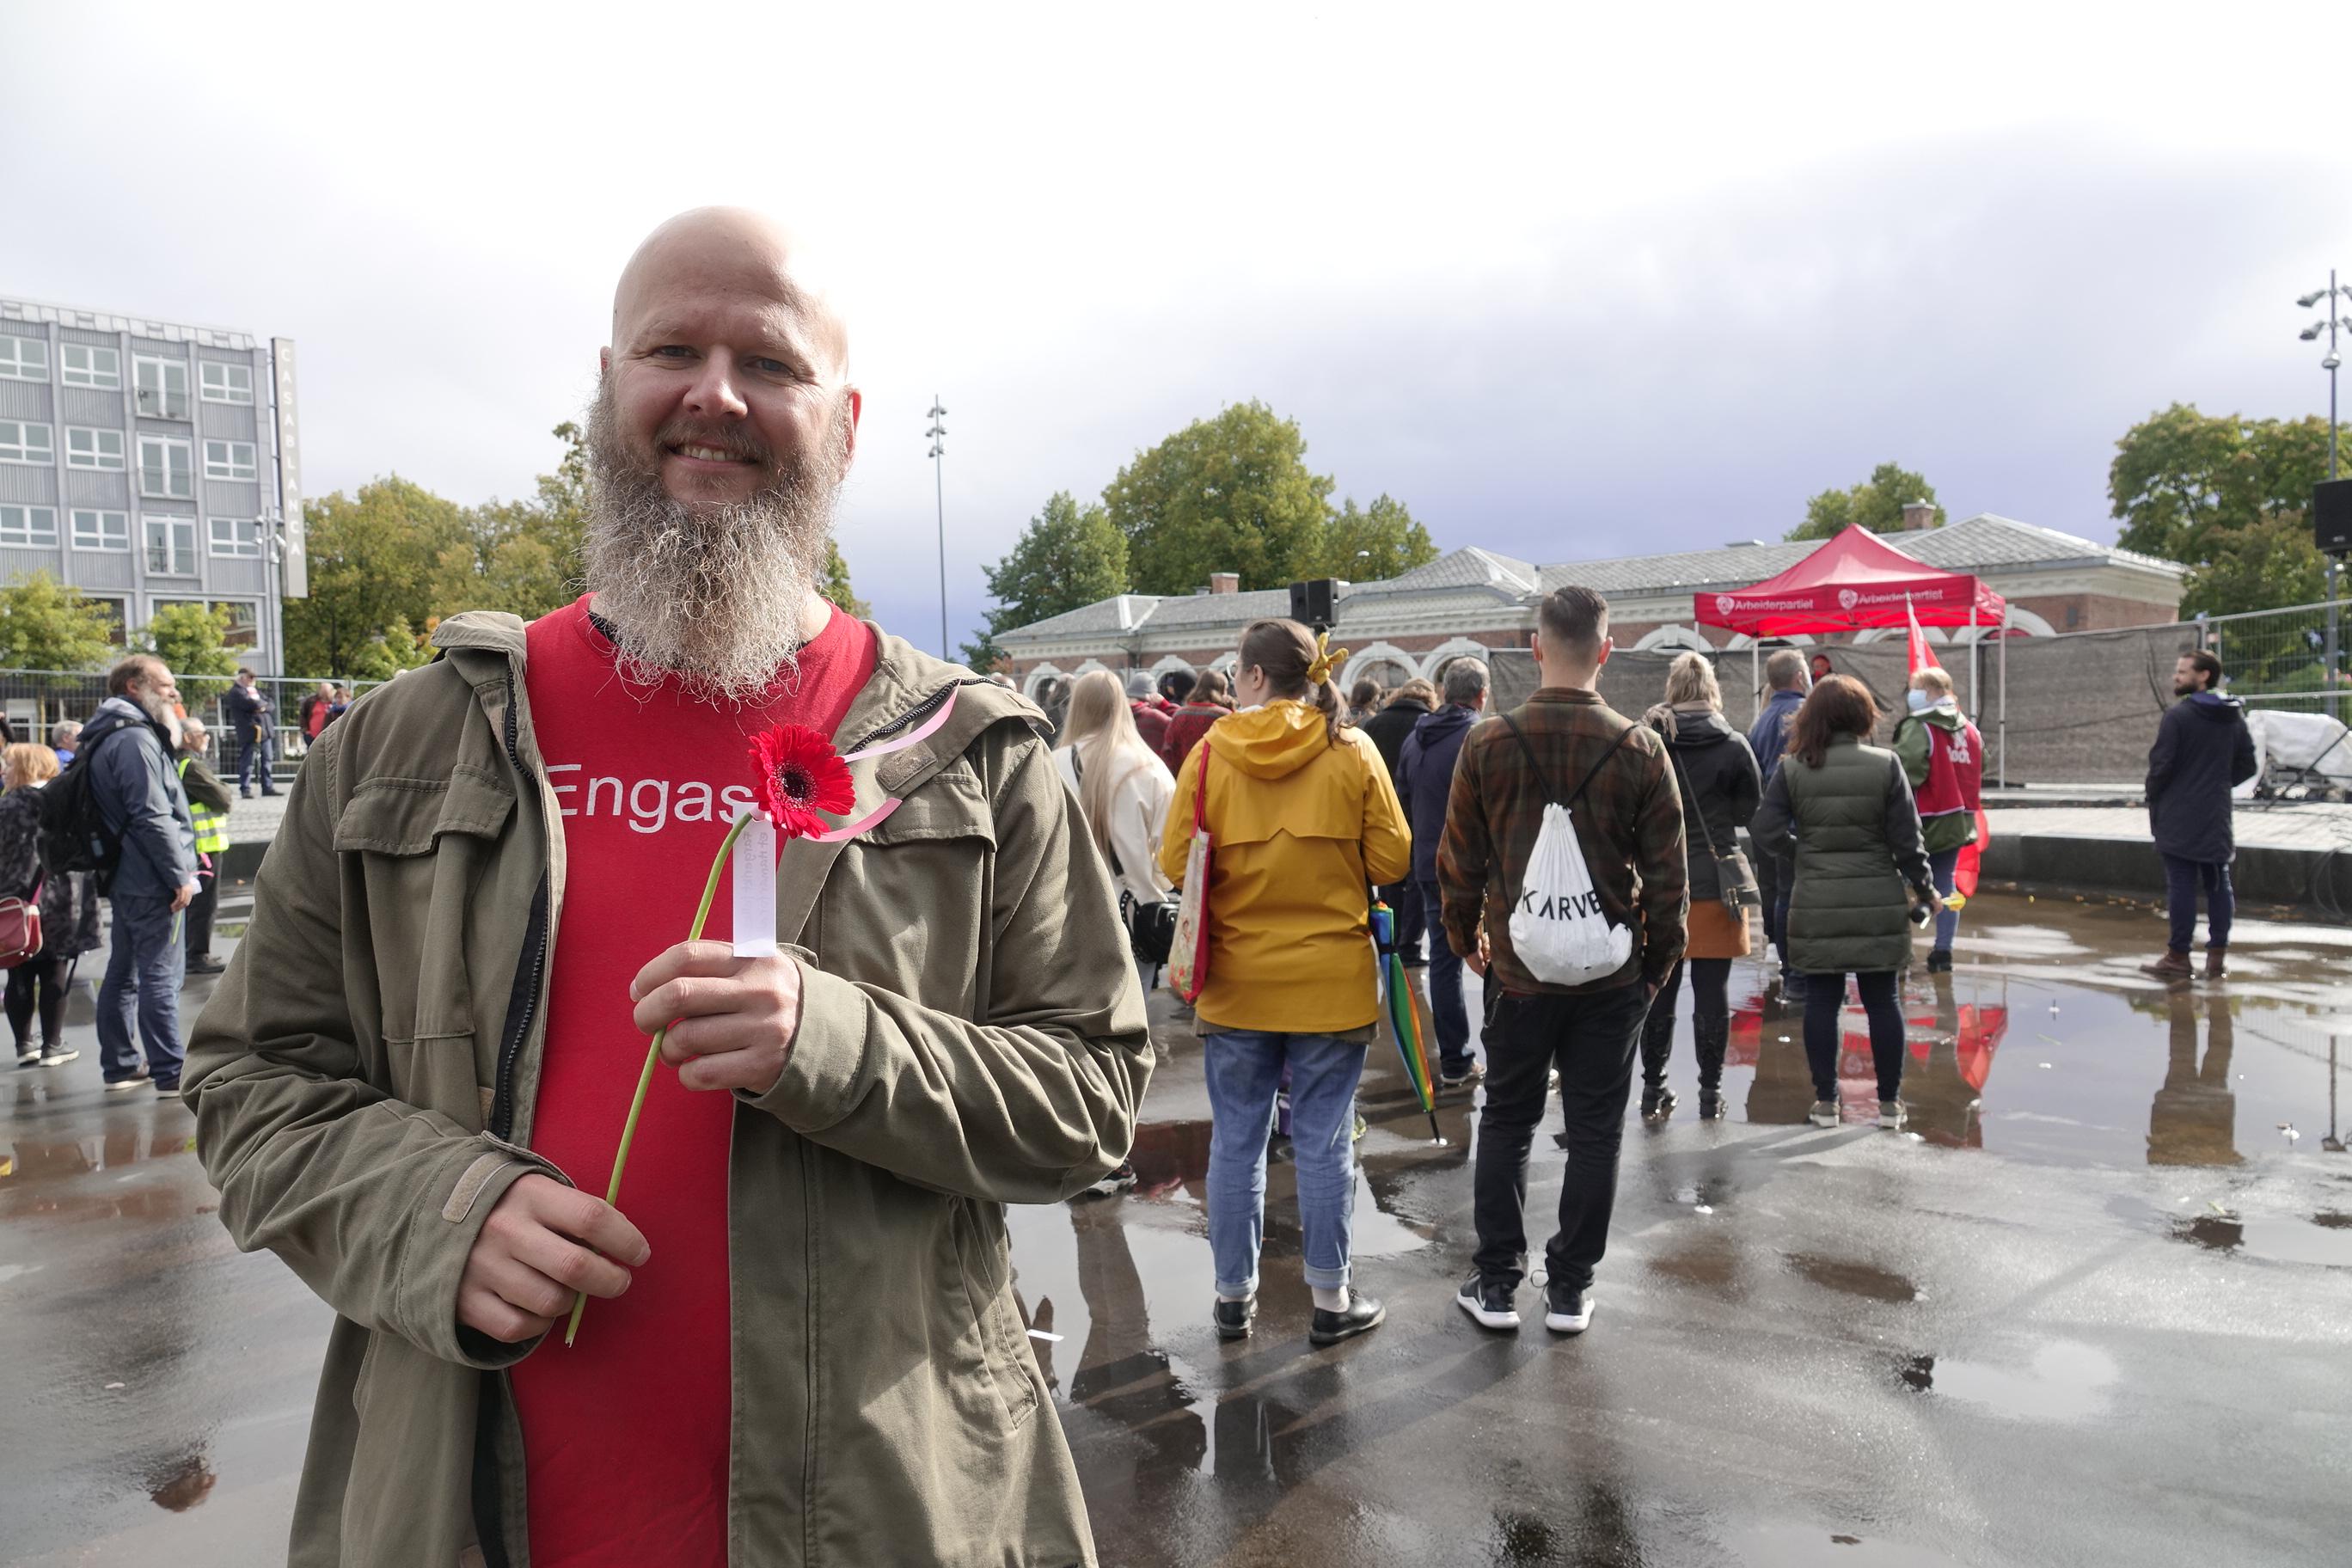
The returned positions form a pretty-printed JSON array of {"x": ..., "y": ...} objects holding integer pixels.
[{"x": 735, "y": 257}]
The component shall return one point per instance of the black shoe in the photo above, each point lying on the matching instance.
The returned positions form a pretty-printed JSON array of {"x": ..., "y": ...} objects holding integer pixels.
[
  {"x": 1710, "y": 1106},
  {"x": 1415, "y": 961},
  {"x": 1567, "y": 1311},
  {"x": 1489, "y": 1302},
  {"x": 1232, "y": 1318},
  {"x": 125, "y": 1084},
  {"x": 167, "y": 1086},
  {"x": 269, "y": 794},
  {"x": 1939, "y": 961},
  {"x": 245, "y": 795},
  {"x": 1794, "y": 986},
  {"x": 1658, "y": 1103},
  {"x": 206, "y": 965},
  {"x": 1362, "y": 1316}
]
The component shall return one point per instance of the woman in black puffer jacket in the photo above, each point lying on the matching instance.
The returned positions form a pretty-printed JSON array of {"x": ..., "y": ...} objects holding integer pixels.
[
  {"x": 69, "y": 911},
  {"x": 1720, "y": 785}
]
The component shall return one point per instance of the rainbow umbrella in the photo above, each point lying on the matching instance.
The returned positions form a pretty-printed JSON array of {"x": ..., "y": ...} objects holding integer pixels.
[{"x": 1405, "y": 1019}]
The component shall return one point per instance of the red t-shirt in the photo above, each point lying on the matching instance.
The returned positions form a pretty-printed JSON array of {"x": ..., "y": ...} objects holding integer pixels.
[{"x": 626, "y": 1434}]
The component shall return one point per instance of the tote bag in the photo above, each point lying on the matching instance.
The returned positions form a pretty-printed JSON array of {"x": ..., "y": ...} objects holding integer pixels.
[
  {"x": 1187, "y": 957},
  {"x": 1558, "y": 928}
]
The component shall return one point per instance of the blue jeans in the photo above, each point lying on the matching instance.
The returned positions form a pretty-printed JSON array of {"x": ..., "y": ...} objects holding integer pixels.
[
  {"x": 1243, "y": 1069},
  {"x": 1948, "y": 922},
  {"x": 2181, "y": 880},
  {"x": 145, "y": 963},
  {"x": 1446, "y": 1007},
  {"x": 249, "y": 755}
]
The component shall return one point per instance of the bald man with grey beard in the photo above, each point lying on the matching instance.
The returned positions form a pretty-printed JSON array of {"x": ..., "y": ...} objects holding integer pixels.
[{"x": 800, "y": 1340}]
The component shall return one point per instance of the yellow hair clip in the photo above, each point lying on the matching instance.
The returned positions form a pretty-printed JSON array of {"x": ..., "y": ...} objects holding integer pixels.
[{"x": 1320, "y": 670}]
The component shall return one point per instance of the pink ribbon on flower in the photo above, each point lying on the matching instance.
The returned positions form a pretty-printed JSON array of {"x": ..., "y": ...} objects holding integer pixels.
[{"x": 914, "y": 736}]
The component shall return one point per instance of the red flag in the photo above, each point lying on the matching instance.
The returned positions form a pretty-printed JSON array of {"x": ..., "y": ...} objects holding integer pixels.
[
  {"x": 1922, "y": 656},
  {"x": 1964, "y": 870}
]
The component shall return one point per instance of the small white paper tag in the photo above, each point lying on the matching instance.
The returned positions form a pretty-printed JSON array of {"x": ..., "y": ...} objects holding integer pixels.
[{"x": 754, "y": 876}]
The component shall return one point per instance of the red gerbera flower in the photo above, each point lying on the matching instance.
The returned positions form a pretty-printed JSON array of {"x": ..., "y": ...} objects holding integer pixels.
[{"x": 800, "y": 775}]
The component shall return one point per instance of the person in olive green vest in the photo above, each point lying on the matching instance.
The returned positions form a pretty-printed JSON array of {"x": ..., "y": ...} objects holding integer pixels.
[
  {"x": 1844, "y": 811},
  {"x": 209, "y": 808}
]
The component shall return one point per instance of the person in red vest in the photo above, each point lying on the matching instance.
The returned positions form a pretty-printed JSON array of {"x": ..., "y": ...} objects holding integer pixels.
[
  {"x": 1943, "y": 755},
  {"x": 1151, "y": 711}
]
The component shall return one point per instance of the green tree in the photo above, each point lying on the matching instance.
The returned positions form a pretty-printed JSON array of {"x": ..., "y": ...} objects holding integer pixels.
[
  {"x": 522, "y": 556},
  {"x": 390, "y": 651},
  {"x": 2216, "y": 491},
  {"x": 46, "y": 624},
  {"x": 193, "y": 640},
  {"x": 835, "y": 587},
  {"x": 1228, "y": 494},
  {"x": 1069, "y": 555},
  {"x": 375, "y": 556},
  {"x": 1876, "y": 504},
  {"x": 1368, "y": 544}
]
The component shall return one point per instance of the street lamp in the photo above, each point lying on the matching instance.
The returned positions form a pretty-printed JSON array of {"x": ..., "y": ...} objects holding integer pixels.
[
  {"x": 938, "y": 434},
  {"x": 2328, "y": 324}
]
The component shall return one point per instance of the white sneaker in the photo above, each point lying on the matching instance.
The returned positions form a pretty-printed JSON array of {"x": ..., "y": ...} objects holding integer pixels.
[{"x": 29, "y": 1058}]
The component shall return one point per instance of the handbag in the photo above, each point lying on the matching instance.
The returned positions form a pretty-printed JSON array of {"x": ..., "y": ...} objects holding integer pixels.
[
  {"x": 1150, "y": 926},
  {"x": 1735, "y": 879},
  {"x": 1188, "y": 969},
  {"x": 20, "y": 929}
]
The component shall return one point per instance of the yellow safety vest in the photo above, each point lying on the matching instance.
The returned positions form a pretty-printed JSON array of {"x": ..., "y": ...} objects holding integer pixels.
[{"x": 212, "y": 827}]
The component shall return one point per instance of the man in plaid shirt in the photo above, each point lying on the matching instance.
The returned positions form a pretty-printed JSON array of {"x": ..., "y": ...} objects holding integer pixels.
[{"x": 1629, "y": 823}]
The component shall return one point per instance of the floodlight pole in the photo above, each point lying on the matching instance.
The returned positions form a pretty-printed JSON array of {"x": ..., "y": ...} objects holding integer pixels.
[
  {"x": 938, "y": 434},
  {"x": 2330, "y": 688}
]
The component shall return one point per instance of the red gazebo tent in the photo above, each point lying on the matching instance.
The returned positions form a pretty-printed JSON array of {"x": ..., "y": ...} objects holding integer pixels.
[{"x": 1853, "y": 582}]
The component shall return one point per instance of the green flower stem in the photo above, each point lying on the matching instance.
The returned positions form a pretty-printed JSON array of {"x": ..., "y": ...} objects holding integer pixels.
[{"x": 653, "y": 1055}]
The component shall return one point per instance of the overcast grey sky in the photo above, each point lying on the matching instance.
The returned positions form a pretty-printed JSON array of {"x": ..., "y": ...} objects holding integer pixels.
[{"x": 1570, "y": 284}]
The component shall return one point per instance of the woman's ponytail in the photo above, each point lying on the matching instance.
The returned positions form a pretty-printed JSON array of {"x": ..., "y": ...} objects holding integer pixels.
[{"x": 1298, "y": 665}]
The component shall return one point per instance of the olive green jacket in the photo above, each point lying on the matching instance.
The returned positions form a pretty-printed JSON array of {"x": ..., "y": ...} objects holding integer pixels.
[
  {"x": 1854, "y": 832},
  {"x": 971, "y": 1034}
]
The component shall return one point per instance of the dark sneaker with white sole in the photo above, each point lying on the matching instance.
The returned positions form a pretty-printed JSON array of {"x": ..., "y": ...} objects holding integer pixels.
[
  {"x": 1232, "y": 1318},
  {"x": 1111, "y": 1185},
  {"x": 1362, "y": 1316},
  {"x": 1567, "y": 1311},
  {"x": 124, "y": 1085},
  {"x": 1824, "y": 1114},
  {"x": 1489, "y": 1302},
  {"x": 1891, "y": 1115},
  {"x": 1710, "y": 1106}
]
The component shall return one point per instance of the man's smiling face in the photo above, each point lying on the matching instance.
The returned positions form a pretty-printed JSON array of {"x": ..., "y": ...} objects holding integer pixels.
[{"x": 726, "y": 376}]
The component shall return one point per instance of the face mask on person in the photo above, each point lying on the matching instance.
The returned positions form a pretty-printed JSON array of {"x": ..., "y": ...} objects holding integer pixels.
[{"x": 1919, "y": 700}]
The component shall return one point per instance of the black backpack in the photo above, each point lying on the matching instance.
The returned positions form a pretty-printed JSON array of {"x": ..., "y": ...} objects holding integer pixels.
[{"x": 74, "y": 835}]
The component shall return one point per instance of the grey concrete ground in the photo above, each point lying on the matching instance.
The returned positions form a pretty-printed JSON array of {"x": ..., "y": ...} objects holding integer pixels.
[{"x": 2096, "y": 1306}]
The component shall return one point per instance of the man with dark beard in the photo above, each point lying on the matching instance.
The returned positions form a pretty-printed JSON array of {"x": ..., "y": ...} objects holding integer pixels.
[{"x": 413, "y": 1076}]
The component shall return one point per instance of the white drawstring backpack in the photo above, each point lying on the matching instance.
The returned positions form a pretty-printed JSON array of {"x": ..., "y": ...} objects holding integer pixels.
[{"x": 1559, "y": 929}]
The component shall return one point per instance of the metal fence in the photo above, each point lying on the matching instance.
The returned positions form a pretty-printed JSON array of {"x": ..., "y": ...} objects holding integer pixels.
[
  {"x": 2279, "y": 658},
  {"x": 36, "y": 700}
]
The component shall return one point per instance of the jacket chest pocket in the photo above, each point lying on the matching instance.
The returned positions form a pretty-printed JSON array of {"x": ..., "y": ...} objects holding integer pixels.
[
  {"x": 422, "y": 845},
  {"x": 929, "y": 870}
]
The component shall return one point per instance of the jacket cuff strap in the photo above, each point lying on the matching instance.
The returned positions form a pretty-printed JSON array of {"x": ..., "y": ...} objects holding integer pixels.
[{"x": 442, "y": 1234}]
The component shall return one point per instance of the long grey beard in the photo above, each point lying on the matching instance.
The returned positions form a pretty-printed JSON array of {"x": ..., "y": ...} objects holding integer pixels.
[{"x": 713, "y": 595}]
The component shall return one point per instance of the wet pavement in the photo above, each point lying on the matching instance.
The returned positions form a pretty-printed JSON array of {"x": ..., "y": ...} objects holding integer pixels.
[{"x": 2095, "y": 1305}]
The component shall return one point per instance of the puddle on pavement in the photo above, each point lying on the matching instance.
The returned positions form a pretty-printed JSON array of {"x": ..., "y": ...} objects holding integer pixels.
[
  {"x": 1852, "y": 1279},
  {"x": 2047, "y": 1045},
  {"x": 1710, "y": 1264},
  {"x": 181, "y": 1486},
  {"x": 2064, "y": 1380},
  {"x": 1802, "y": 1546}
]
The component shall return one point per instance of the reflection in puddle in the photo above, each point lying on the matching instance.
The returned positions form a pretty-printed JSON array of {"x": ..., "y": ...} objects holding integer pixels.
[
  {"x": 182, "y": 1486},
  {"x": 1853, "y": 1278},
  {"x": 2222, "y": 1233},
  {"x": 2067, "y": 1380}
]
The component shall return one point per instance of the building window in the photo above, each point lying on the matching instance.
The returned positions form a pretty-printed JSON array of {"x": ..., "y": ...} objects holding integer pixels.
[
  {"x": 87, "y": 364},
  {"x": 101, "y": 530},
  {"x": 23, "y": 359},
  {"x": 171, "y": 546},
  {"x": 21, "y": 441},
  {"x": 227, "y": 382},
  {"x": 164, "y": 467},
  {"x": 160, "y": 387},
  {"x": 30, "y": 525},
  {"x": 228, "y": 459},
  {"x": 94, "y": 449},
  {"x": 117, "y": 622},
  {"x": 236, "y": 536}
]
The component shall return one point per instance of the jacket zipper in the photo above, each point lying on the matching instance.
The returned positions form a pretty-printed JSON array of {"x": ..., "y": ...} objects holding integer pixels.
[
  {"x": 523, "y": 1002},
  {"x": 920, "y": 712}
]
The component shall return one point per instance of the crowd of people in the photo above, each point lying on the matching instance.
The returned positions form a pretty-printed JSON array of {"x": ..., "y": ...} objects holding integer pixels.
[{"x": 409, "y": 1082}]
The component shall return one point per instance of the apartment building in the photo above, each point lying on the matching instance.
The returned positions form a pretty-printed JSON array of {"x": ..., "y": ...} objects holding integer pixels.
[{"x": 149, "y": 463}]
